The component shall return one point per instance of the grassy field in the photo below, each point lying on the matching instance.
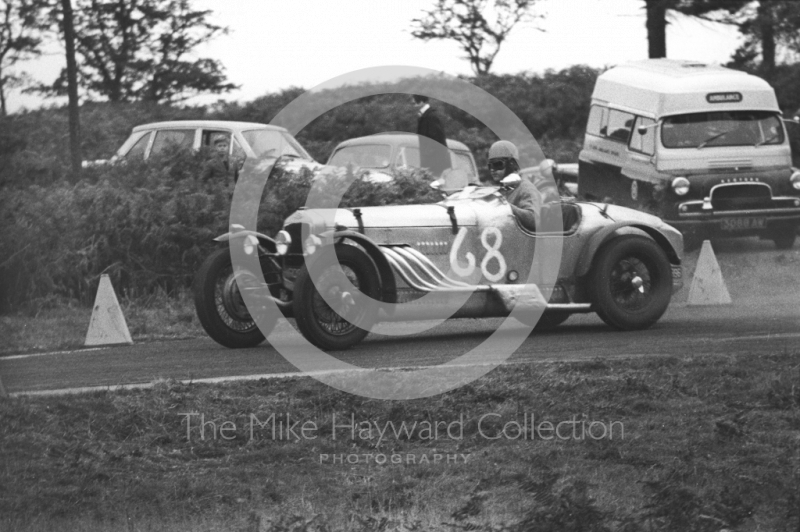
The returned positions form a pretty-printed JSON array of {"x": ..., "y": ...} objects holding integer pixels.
[{"x": 701, "y": 443}]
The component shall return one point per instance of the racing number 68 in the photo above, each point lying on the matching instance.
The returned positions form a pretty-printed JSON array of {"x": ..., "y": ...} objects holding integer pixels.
[{"x": 492, "y": 252}]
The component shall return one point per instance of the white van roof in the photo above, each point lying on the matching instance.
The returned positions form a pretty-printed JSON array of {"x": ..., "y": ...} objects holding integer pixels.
[{"x": 662, "y": 87}]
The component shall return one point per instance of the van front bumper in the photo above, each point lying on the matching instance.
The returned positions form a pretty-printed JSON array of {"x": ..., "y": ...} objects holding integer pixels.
[{"x": 698, "y": 216}]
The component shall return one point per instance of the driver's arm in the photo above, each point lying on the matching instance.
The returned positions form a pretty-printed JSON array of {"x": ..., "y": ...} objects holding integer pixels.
[{"x": 526, "y": 203}]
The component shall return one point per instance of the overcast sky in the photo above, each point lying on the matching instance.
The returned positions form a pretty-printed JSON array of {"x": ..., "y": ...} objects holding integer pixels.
[{"x": 275, "y": 44}]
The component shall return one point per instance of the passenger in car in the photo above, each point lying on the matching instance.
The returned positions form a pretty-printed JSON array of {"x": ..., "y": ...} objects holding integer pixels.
[
  {"x": 525, "y": 199},
  {"x": 219, "y": 166}
]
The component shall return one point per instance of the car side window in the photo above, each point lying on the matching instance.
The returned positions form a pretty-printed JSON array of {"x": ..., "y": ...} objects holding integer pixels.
[
  {"x": 137, "y": 150},
  {"x": 620, "y": 125},
  {"x": 208, "y": 137},
  {"x": 598, "y": 117},
  {"x": 183, "y": 138},
  {"x": 644, "y": 143}
]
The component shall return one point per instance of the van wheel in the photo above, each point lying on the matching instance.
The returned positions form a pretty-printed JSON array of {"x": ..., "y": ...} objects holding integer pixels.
[
  {"x": 784, "y": 240},
  {"x": 631, "y": 282}
]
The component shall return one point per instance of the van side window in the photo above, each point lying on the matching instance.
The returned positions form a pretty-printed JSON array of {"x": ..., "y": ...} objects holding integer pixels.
[
  {"x": 597, "y": 119},
  {"x": 644, "y": 143},
  {"x": 619, "y": 125}
]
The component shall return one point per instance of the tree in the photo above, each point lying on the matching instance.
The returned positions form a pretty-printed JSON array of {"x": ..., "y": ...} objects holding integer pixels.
[
  {"x": 657, "y": 13},
  {"x": 464, "y": 21},
  {"x": 21, "y": 25},
  {"x": 68, "y": 32},
  {"x": 771, "y": 30},
  {"x": 140, "y": 50}
]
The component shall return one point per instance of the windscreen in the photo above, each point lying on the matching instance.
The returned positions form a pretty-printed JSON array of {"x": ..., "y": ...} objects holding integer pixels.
[
  {"x": 362, "y": 156},
  {"x": 272, "y": 142},
  {"x": 722, "y": 128}
]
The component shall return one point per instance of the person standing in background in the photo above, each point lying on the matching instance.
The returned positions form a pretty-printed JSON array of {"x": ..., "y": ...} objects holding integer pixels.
[{"x": 433, "y": 152}]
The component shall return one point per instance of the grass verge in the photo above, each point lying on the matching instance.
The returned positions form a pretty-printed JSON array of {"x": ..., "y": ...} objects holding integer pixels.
[
  {"x": 63, "y": 325},
  {"x": 694, "y": 444}
]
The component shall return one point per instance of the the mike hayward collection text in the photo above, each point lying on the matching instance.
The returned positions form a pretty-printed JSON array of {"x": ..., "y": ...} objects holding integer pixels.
[{"x": 490, "y": 426}]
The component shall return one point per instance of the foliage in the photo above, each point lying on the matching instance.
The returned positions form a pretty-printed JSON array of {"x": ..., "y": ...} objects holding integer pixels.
[
  {"x": 142, "y": 51},
  {"x": 21, "y": 25},
  {"x": 657, "y": 12},
  {"x": 148, "y": 225},
  {"x": 771, "y": 32},
  {"x": 465, "y": 22}
]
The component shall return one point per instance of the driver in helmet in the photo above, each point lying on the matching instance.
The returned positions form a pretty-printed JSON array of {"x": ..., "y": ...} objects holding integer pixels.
[{"x": 524, "y": 198}]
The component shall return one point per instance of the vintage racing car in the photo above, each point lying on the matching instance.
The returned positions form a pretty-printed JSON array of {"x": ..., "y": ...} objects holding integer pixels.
[{"x": 339, "y": 271}]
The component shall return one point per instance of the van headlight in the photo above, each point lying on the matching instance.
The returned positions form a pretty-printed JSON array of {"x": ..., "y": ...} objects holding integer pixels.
[
  {"x": 250, "y": 244},
  {"x": 680, "y": 186},
  {"x": 795, "y": 179},
  {"x": 282, "y": 242}
]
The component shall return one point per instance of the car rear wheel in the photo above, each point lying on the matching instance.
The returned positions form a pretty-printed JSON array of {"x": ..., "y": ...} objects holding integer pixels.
[
  {"x": 343, "y": 317},
  {"x": 631, "y": 282},
  {"x": 220, "y": 307}
]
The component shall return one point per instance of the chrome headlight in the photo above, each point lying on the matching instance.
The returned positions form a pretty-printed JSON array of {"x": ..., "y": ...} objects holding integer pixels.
[
  {"x": 312, "y": 243},
  {"x": 282, "y": 242},
  {"x": 250, "y": 244},
  {"x": 795, "y": 180},
  {"x": 680, "y": 186}
]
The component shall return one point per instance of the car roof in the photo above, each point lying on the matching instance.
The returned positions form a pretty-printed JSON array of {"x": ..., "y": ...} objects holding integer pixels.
[
  {"x": 227, "y": 124},
  {"x": 396, "y": 139}
]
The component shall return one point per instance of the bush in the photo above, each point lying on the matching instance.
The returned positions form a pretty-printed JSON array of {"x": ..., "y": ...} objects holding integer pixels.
[
  {"x": 141, "y": 223},
  {"x": 148, "y": 225}
]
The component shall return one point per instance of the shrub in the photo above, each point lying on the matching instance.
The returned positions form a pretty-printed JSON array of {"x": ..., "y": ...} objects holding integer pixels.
[{"x": 148, "y": 225}]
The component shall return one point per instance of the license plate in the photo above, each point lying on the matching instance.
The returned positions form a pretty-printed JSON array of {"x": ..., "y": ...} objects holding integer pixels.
[{"x": 742, "y": 224}]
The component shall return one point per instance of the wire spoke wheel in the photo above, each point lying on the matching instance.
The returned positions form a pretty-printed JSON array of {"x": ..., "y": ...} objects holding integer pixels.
[
  {"x": 335, "y": 301},
  {"x": 220, "y": 306},
  {"x": 335, "y": 320},
  {"x": 230, "y": 305}
]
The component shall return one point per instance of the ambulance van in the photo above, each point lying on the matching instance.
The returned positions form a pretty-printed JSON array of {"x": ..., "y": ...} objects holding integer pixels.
[{"x": 703, "y": 147}]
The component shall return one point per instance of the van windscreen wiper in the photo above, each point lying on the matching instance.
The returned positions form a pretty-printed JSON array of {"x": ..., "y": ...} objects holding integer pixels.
[{"x": 712, "y": 138}]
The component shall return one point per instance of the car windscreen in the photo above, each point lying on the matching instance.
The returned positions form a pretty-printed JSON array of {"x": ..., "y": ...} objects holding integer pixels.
[
  {"x": 272, "y": 142},
  {"x": 362, "y": 156},
  {"x": 462, "y": 161},
  {"x": 722, "y": 128}
]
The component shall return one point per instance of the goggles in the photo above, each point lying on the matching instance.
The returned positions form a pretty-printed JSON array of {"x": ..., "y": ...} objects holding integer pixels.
[{"x": 497, "y": 165}]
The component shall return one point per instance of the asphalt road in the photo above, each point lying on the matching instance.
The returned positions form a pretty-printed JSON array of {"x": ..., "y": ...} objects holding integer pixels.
[{"x": 749, "y": 327}]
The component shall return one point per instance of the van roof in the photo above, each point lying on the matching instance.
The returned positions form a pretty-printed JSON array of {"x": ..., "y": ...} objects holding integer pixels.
[{"x": 661, "y": 87}]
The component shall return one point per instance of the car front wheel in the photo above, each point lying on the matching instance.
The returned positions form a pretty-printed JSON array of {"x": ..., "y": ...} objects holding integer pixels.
[
  {"x": 220, "y": 307},
  {"x": 631, "y": 282},
  {"x": 329, "y": 312}
]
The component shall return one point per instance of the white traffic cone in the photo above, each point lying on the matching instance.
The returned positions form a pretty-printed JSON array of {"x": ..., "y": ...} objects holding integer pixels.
[
  {"x": 108, "y": 324},
  {"x": 708, "y": 287}
]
